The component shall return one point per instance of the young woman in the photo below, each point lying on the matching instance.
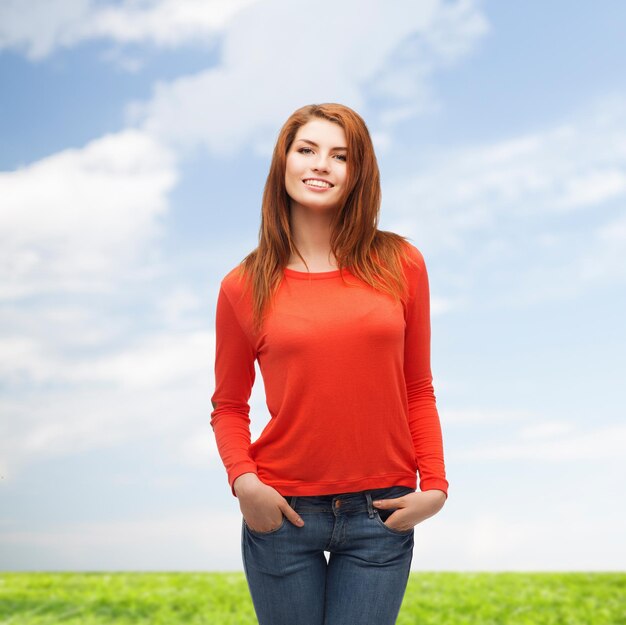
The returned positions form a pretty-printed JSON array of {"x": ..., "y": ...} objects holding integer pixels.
[{"x": 337, "y": 313}]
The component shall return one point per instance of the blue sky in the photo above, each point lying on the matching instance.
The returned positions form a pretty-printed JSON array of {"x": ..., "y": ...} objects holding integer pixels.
[{"x": 136, "y": 138}]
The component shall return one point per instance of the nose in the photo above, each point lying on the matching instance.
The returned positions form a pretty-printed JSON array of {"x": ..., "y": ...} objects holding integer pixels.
[{"x": 321, "y": 164}]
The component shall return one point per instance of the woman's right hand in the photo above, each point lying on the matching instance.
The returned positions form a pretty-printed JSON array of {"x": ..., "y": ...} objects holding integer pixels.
[{"x": 261, "y": 505}]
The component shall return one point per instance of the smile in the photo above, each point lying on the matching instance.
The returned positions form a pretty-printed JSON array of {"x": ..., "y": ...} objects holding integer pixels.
[{"x": 317, "y": 184}]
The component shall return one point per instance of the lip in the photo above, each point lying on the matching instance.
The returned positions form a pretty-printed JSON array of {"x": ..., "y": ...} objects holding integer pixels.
[{"x": 318, "y": 189}]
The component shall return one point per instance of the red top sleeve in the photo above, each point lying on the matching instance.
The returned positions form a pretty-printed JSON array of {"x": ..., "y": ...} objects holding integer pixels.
[
  {"x": 423, "y": 415},
  {"x": 234, "y": 378}
]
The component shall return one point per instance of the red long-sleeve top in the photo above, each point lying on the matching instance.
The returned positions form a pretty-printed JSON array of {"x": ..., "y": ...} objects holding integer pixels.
[{"x": 347, "y": 379}]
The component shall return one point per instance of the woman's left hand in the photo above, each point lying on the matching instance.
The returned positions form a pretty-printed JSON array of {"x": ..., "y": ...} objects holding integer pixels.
[{"x": 412, "y": 508}]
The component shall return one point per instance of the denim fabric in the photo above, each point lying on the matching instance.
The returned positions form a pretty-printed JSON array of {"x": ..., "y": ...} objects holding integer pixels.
[{"x": 362, "y": 583}]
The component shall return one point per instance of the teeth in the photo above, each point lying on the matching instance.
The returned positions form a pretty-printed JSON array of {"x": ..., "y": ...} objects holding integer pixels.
[{"x": 317, "y": 183}]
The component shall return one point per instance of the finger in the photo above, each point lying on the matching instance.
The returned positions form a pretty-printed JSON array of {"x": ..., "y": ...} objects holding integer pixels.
[
  {"x": 292, "y": 515},
  {"x": 388, "y": 503}
]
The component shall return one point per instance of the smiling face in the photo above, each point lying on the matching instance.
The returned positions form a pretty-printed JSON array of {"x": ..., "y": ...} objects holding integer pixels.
[{"x": 318, "y": 152}]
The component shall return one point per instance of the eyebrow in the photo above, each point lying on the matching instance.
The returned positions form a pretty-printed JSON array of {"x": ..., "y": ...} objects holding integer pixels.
[{"x": 317, "y": 146}]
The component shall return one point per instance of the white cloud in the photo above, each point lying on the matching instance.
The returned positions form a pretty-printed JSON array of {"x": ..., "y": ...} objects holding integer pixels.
[
  {"x": 514, "y": 206},
  {"x": 474, "y": 416},
  {"x": 441, "y": 305},
  {"x": 178, "y": 306},
  {"x": 601, "y": 443},
  {"x": 592, "y": 187},
  {"x": 61, "y": 423},
  {"x": 40, "y": 27},
  {"x": 563, "y": 168},
  {"x": 181, "y": 540},
  {"x": 154, "y": 363},
  {"x": 518, "y": 536},
  {"x": 78, "y": 219},
  {"x": 545, "y": 430},
  {"x": 605, "y": 258},
  {"x": 69, "y": 394},
  {"x": 391, "y": 48}
]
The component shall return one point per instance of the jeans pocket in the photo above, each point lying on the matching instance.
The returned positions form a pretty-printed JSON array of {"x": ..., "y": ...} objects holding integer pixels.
[
  {"x": 382, "y": 514},
  {"x": 272, "y": 531}
]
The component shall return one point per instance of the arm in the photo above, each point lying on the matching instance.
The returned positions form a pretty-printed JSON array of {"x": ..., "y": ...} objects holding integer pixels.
[
  {"x": 234, "y": 378},
  {"x": 423, "y": 415}
]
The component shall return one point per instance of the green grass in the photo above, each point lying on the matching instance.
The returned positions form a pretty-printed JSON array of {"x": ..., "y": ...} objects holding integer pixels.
[{"x": 224, "y": 599}]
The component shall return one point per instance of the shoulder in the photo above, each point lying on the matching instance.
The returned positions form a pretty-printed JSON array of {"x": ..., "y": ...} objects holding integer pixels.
[
  {"x": 233, "y": 276},
  {"x": 413, "y": 259},
  {"x": 414, "y": 268},
  {"x": 234, "y": 283}
]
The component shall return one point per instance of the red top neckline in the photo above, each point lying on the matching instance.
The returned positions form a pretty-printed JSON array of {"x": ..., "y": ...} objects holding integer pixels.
[{"x": 314, "y": 275}]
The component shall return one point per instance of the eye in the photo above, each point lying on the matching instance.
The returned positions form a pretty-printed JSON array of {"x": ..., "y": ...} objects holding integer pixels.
[{"x": 341, "y": 156}]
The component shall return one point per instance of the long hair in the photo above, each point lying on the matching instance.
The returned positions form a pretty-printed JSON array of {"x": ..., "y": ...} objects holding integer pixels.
[{"x": 372, "y": 255}]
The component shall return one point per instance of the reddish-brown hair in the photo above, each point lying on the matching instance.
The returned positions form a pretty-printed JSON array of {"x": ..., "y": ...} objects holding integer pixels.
[{"x": 372, "y": 255}]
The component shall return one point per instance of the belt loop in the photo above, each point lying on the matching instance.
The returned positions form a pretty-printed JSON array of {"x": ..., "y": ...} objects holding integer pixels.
[
  {"x": 370, "y": 507},
  {"x": 292, "y": 501}
]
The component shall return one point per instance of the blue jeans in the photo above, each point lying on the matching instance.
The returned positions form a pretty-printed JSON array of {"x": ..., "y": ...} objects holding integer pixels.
[{"x": 366, "y": 575}]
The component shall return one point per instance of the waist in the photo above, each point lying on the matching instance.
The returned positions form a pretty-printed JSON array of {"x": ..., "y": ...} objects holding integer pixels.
[{"x": 345, "y": 503}]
